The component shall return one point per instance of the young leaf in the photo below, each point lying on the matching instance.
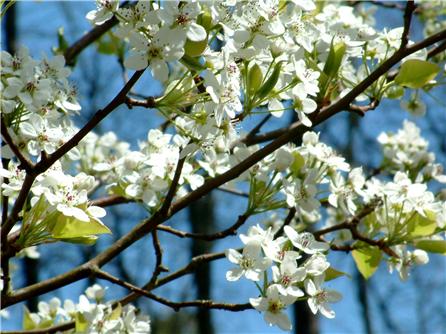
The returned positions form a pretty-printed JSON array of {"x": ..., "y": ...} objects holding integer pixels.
[
  {"x": 334, "y": 60},
  {"x": 70, "y": 227},
  {"x": 28, "y": 323},
  {"x": 415, "y": 73},
  {"x": 332, "y": 273},
  {"x": 255, "y": 78},
  {"x": 367, "y": 260},
  {"x": 420, "y": 226},
  {"x": 433, "y": 246},
  {"x": 81, "y": 323},
  {"x": 270, "y": 83}
]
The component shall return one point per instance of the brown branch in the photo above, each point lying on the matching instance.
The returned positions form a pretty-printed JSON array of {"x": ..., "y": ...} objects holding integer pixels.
[
  {"x": 355, "y": 220},
  {"x": 175, "y": 305},
  {"x": 344, "y": 103},
  {"x": 54, "y": 329},
  {"x": 362, "y": 110},
  {"x": 232, "y": 230},
  {"x": 159, "y": 268},
  {"x": 188, "y": 269},
  {"x": 437, "y": 50},
  {"x": 111, "y": 200},
  {"x": 173, "y": 188},
  {"x": 408, "y": 12},
  {"x": 257, "y": 128},
  {"x": 233, "y": 192},
  {"x": 25, "y": 163},
  {"x": 17, "y": 207},
  {"x": 352, "y": 225},
  {"x": 286, "y": 222},
  {"x": 147, "y": 103},
  {"x": 209, "y": 304}
]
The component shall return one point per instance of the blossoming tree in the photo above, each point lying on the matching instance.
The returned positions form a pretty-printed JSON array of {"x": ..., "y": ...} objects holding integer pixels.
[{"x": 221, "y": 63}]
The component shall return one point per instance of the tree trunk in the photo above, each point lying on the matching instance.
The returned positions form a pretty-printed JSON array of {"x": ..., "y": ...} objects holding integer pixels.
[{"x": 201, "y": 214}]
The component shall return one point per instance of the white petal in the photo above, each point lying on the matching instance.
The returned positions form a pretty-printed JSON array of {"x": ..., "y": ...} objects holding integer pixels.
[
  {"x": 326, "y": 311},
  {"x": 312, "y": 304},
  {"x": 196, "y": 32},
  {"x": 79, "y": 214},
  {"x": 136, "y": 61},
  {"x": 283, "y": 321},
  {"x": 234, "y": 274},
  {"x": 96, "y": 211},
  {"x": 160, "y": 71},
  {"x": 233, "y": 255}
]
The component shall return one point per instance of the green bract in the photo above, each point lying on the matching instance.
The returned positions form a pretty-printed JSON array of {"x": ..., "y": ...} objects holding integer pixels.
[
  {"x": 415, "y": 73},
  {"x": 367, "y": 260}
]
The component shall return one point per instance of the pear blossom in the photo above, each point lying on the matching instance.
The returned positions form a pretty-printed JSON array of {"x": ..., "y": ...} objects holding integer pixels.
[
  {"x": 320, "y": 297},
  {"x": 104, "y": 12},
  {"x": 181, "y": 19},
  {"x": 287, "y": 274},
  {"x": 407, "y": 260},
  {"x": 303, "y": 105},
  {"x": 305, "y": 241},
  {"x": 165, "y": 46},
  {"x": 251, "y": 262},
  {"x": 274, "y": 304}
]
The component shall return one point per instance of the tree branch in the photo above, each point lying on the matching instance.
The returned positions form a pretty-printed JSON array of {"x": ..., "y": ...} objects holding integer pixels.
[
  {"x": 111, "y": 200},
  {"x": 232, "y": 230},
  {"x": 408, "y": 12},
  {"x": 352, "y": 225},
  {"x": 25, "y": 163}
]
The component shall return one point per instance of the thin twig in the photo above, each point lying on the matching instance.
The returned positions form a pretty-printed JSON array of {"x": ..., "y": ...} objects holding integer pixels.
[
  {"x": 159, "y": 268},
  {"x": 408, "y": 12},
  {"x": 173, "y": 188},
  {"x": 25, "y": 163},
  {"x": 111, "y": 200},
  {"x": 232, "y": 230},
  {"x": 146, "y": 103}
]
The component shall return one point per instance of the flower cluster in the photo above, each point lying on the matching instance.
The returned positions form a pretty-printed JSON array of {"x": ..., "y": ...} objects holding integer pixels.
[
  {"x": 407, "y": 151},
  {"x": 91, "y": 315},
  {"x": 290, "y": 273},
  {"x": 143, "y": 175},
  {"x": 59, "y": 206},
  {"x": 252, "y": 55},
  {"x": 37, "y": 102}
]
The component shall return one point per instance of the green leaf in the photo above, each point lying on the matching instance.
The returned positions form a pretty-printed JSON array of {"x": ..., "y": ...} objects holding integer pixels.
[
  {"x": 419, "y": 226},
  {"x": 367, "y": 260},
  {"x": 433, "y": 246},
  {"x": 195, "y": 49},
  {"x": 81, "y": 323},
  {"x": 332, "y": 273},
  {"x": 334, "y": 60},
  {"x": 70, "y": 227},
  {"x": 192, "y": 63},
  {"x": 298, "y": 162},
  {"x": 61, "y": 41},
  {"x": 116, "y": 313},
  {"x": 415, "y": 73},
  {"x": 205, "y": 20},
  {"x": 270, "y": 83},
  {"x": 255, "y": 78},
  {"x": 87, "y": 240},
  {"x": 28, "y": 323}
]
